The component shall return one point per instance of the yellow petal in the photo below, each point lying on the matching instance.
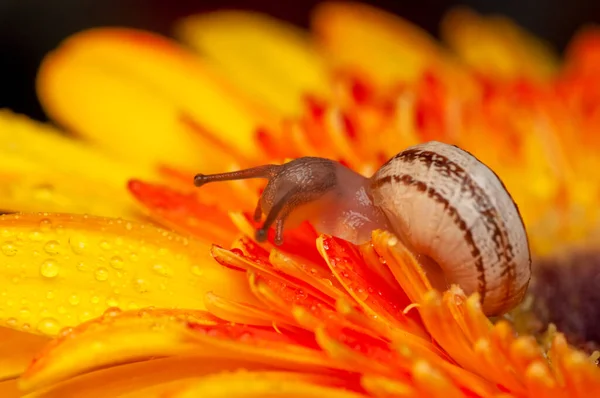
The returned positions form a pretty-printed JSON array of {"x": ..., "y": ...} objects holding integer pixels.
[
  {"x": 38, "y": 173},
  {"x": 142, "y": 379},
  {"x": 16, "y": 350},
  {"x": 261, "y": 384},
  {"x": 497, "y": 46},
  {"x": 113, "y": 339},
  {"x": 50, "y": 149},
  {"x": 23, "y": 190},
  {"x": 268, "y": 58},
  {"x": 139, "y": 96},
  {"x": 386, "y": 47},
  {"x": 59, "y": 270}
]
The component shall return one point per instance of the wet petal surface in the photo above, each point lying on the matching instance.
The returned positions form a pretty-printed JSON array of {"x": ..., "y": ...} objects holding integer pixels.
[{"x": 60, "y": 270}]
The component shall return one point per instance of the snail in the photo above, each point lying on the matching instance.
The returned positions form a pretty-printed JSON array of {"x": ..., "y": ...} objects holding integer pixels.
[{"x": 447, "y": 207}]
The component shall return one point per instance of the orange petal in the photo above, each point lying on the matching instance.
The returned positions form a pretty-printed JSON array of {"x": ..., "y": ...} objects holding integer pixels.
[
  {"x": 264, "y": 384},
  {"x": 184, "y": 212},
  {"x": 384, "y": 387},
  {"x": 234, "y": 311},
  {"x": 297, "y": 350},
  {"x": 496, "y": 46},
  {"x": 361, "y": 351},
  {"x": 112, "y": 339},
  {"x": 265, "y": 57},
  {"x": 384, "y": 46},
  {"x": 402, "y": 264},
  {"x": 17, "y": 348},
  {"x": 432, "y": 383},
  {"x": 118, "y": 87},
  {"x": 374, "y": 296},
  {"x": 59, "y": 270},
  {"x": 9, "y": 389}
]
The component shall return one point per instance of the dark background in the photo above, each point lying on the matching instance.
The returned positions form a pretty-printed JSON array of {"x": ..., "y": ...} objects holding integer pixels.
[{"x": 30, "y": 28}]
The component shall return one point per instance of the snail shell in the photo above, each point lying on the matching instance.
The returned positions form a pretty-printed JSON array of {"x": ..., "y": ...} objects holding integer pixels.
[
  {"x": 447, "y": 205},
  {"x": 450, "y": 209}
]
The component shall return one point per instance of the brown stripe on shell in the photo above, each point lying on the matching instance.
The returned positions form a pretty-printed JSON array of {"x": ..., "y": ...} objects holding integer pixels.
[
  {"x": 447, "y": 168},
  {"x": 452, "y": 212}
]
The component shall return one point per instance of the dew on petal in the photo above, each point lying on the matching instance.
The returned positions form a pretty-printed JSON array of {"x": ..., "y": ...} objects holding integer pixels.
[
  {"x": 117, "y": 262},
  {"x": 52, "y": 247},
  {"x": 78, "y": 243},
  {"x": 49, "y": 269},
  {"x": 9, "y": 249},
  {"x": 162, "y": 269},
  {"x": 45, "y": 225},
  {"x": 49, "y": 326},
  {"x": 101, "y": 274},
  {"x": 74, "y": 299}
]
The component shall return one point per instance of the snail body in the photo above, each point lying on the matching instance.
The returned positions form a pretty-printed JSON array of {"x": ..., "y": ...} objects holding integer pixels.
[{"x": 446, "y": 206}]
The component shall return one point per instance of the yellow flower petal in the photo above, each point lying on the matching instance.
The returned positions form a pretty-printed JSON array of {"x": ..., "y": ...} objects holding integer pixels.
[
  {"x": 38, "y": 173},
  {"x": 141, "y": 97},
  {"x": 50, "y": 148},
  {"x": 496, "y": 46},
  {"x": 145, "y": 379},
  {"x": 387, "y": 47},
  {"x": 59, "y": 270},
  {"x": 113, "y": 339},
  {"x": 261, "y": 384},
  {"x": 16, "y": 350},
  {"x": 23, "y": 190},
  {"x": 270, "y": 59}
]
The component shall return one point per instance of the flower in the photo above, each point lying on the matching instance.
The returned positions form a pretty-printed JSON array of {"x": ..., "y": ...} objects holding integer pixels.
[{"x": 112, "y": 303}]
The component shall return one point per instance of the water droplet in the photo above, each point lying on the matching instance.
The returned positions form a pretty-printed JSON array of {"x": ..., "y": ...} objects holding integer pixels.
[
  {"x": 140, "y": 285},
  {"x": 117, "y": 262},
  {"x": 74, "y": 299},
  {"x": 49, "y": 269},
  {"x": 61, "y": 310},
  {"x": 196, "y": 270},
  {"x": 112, "y": 311},
  {"x": 132, "y": 306},
  {"x": 133, "y": 257},
  {"x": 104, "y": 245},
  {"x": 301, "y": 295},
  {"x": 65, "y": 331},
  {"x": 50, "y": 295},
  {"x": 24, "y": 313},
  {"x": 101, "y": 274},
  {"x": 112, "y": 302},
  {"x": 78, "y": 244},
  {"x": 36, "y": 236},
  {"x": 9, "y": 249},
  {"x": 48, "y": 326},
  {"x": 43, "y": 191},
  {"x": 95, "y": 299},
  {"x": 83, "y": 267},
  {"x": 162, "y": 269},
  {"x": 85, "y": 316},
  {"x": 45, "y": 225},
  {"x": 52, "y": 247},
  {"x": 128, "y": 226},
  {"x": 12, "y": 322},
  {"x": 361, "y": 294}
]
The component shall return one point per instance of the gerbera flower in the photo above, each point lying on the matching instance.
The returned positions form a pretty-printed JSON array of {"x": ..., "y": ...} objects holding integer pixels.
[{"x": 134, "y": 283}]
